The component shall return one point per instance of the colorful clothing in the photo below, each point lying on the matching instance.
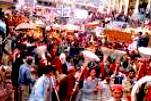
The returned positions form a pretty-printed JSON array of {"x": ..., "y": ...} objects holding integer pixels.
[
  {"x": 24, "y": 81},
  {"x": 42, "y": 90},
  {"x": 88, "y": 89},
  {"x": 106, "y": 91},
  {"x": 25, "y": 75}
]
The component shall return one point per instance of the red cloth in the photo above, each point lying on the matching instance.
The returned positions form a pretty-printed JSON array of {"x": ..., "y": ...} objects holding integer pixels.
[
  {"x": 69, "y": 83},
  {"x": 129, "y": 97},
  {"x": 148, "y": 72},
  {"x": 117, "y": 87},
  {"x": 113, "y": 67},
  {"x": 102, "y": 70},
  {"x": 85, "y": 73},
  {"x": 43, "y": 63},
  {"x": 142, "y": 70},
  {"x": 57, "y": 63}
]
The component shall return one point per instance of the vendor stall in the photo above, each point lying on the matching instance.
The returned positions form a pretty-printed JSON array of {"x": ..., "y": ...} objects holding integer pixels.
[{"x": 114, "y": 35}]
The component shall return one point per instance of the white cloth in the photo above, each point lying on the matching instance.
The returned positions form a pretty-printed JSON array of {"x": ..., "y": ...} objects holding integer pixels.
[
  {"x": 112, "y": 99},
  {"x": 106, "y": 91},
  {"x": 62, "y": 58},
  {"x": 134, "y": 44},
  {"x": 40, "y": 90},
  {"x": 41, "y": 50}
]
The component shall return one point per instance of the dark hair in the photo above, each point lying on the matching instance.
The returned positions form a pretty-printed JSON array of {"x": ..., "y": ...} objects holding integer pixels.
[
  {"x": 92, "y": 68},
  {"x": 108, "y": 73},
  {"x": 132, "y": 70},
  {"x": 29, "y": 61},
  {"x": 140, "y": 33},
  {"x": 48, "y": 69}
]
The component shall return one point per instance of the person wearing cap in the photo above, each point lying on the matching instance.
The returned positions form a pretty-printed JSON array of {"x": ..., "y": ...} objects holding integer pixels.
[
  {"x": 117, "y": 93},
  {"x": 43, "y": 88},
  {"x": 25, "y": 79}
]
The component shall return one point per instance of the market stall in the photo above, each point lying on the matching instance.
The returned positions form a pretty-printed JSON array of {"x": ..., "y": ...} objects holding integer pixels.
[{"x": 114, "y": 35}]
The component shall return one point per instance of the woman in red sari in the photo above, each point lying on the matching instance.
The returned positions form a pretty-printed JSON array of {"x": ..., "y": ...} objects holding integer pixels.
[
  {"x": 55, "y": 59},
  {"x": 67, "y": 85}
]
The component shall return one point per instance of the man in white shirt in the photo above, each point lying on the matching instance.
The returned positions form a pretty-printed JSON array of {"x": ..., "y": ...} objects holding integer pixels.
[
  {"x": 106, "y": 88},
  {"x": 43, "y": 88}
]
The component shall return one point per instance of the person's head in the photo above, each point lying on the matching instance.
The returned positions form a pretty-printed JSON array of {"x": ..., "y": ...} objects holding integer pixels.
[
  {"x": 125, "y": 63},
  {"x": 8, "y": 84},
  {"x": 92, "y": 72},
  {"x": 131, "y": 74},
  {"x": 29, "y": 60},
  {"x": 108, "y": 76},
  {"x": 53, "y": 49},
  {"x": 117, "y": 92},
  {"x": 72, "y": 70},
  {"x": 8, "y": 74},
  {"x": 49, "y": 70},
  {"x": 140, "y": 33}
]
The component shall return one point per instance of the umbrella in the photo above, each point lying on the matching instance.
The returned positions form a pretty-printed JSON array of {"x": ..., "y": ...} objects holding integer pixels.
[
  {"x": 56, "y": 26},
  {"x": 145, "y": 51},
  {"x": 90, "y": 56},
  {"x": 2, "y": 26},
  {"x": 91, "y": 24},
  {"x": 41, "y": 50},
  {"x": 71, "y": 27},
  {"x": 25, "y": 26},
  {"x": 39, "y": 23}
]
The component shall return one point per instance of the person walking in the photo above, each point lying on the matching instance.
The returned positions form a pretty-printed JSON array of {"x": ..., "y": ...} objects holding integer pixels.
[
  {"x": 43, "y": 88},
  {"x": 25, "y": 79},
  {"x": 91, "y": 90}
]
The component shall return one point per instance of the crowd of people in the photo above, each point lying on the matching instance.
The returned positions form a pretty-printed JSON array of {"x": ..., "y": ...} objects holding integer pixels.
[{"x": 55, "y": 69}]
